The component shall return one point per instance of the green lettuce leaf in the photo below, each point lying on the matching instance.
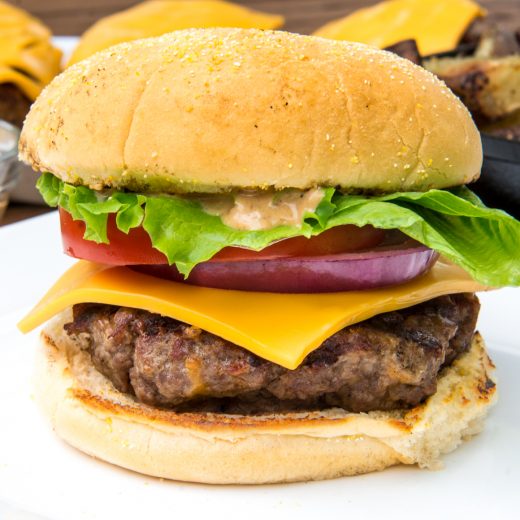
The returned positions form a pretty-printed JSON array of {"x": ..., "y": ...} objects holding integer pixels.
[{"x": 483, "y": 241}]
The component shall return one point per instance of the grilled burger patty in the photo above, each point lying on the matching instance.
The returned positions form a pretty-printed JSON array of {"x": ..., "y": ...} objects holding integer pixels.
[
  {"x": 387, "y": 362},
  {"x": 14, "y": 105}
]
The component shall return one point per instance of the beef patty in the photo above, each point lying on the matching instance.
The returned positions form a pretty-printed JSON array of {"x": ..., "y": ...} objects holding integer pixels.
[
  {"x": 389, "y": 361},
  {"x": 14, "y": 104}
]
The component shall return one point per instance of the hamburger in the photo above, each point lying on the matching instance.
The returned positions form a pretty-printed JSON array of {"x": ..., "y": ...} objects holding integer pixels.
[
  {"x": 28, "y": 61},
  {"x": 278, "y": 259}
]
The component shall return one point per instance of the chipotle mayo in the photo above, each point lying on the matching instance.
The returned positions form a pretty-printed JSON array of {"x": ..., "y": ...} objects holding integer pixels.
[{"x": 256, "y": 210}]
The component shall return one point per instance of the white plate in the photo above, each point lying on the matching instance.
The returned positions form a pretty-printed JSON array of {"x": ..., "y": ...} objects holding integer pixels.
[
  {"x": 41, "y": 477},
  {"x": 66, "y": 44}
]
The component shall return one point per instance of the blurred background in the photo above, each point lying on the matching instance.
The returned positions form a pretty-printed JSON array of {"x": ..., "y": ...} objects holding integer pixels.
[
  {"x": 473, "y": 46},
  {"x": 73, "y": 17}
]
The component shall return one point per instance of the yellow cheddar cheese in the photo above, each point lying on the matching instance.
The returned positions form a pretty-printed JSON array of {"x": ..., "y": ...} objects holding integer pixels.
[
  {"x": 157, "y": 17},
  {"x": 27, "y": 57},
  {"x": 436, "y": 25},
  {"x": 282, "y": 328}
]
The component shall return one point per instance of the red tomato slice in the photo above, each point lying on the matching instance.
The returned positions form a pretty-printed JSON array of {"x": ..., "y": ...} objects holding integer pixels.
[
  {"x": 131, "y": 249},
  {"x": 136, "y": 247},
  {"x": 341, "y": 239}
]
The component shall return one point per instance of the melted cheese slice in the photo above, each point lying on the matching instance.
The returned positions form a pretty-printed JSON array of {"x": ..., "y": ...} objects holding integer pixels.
[
  {"x": 282, "y": 328},
  {"x": 29, "y": 87},
  {"x": 436, "y": 25},
  {"x": 27, "y": 56},
  {"x": 157, "y": 17}
]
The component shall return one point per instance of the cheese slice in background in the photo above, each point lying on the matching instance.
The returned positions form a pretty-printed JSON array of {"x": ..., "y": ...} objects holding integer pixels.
[
  {"x": 28, "y": 86},
  {"x": 28, "y": 58},
  {"x": 157, "y": 17},
  {"x": 436, "y": 25},
  {"x": 282, "y": 328}
]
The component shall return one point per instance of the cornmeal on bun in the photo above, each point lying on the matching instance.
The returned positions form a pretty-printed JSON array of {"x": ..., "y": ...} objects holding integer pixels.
[
  {"x": 277, "y": 259},
  {"x": 301, "y": 111}
]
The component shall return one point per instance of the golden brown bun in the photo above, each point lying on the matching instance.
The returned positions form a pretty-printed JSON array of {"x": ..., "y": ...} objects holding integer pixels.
[
  {"x": 87, "y": 412},
  {"x": 214, "y": 109}
]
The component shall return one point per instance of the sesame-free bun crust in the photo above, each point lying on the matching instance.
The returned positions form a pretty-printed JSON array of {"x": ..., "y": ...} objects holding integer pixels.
[
  {"x": 87, "y": 412},
  {"x": 209, "y": 110}
]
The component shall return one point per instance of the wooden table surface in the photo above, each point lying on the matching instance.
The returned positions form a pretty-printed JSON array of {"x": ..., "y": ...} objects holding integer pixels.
[{"x": 72, "y": 17}]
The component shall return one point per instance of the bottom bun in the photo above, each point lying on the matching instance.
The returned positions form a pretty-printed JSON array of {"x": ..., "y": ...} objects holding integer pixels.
[{"x": 90, "y": 414}]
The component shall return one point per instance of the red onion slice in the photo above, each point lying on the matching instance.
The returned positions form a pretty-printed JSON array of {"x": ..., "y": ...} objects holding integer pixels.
[{"x": 316, "y": 274}]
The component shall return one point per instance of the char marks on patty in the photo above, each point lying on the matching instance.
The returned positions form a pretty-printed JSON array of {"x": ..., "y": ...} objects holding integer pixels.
[{"x": 387, "y": 362}]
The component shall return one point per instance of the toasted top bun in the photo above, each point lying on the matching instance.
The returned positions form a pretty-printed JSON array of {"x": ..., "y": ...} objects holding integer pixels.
[
  {"x": 87, "y": 412},
  {"x": 208, "y": 110}
]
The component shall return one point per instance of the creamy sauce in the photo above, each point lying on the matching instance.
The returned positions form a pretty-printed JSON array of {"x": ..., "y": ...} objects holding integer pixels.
[{"x": 257, "y": 210}]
